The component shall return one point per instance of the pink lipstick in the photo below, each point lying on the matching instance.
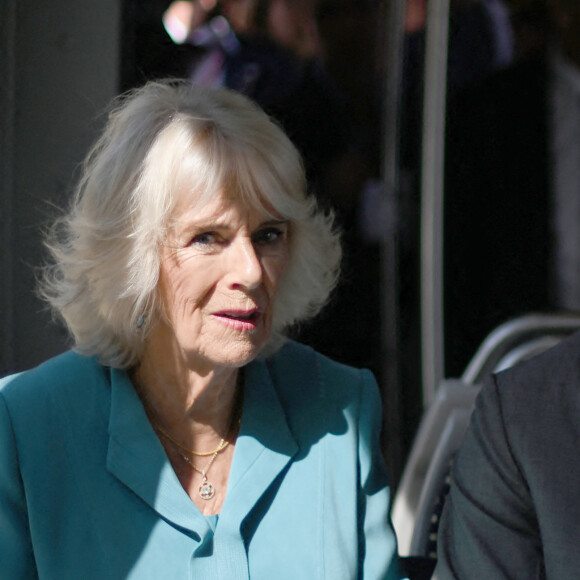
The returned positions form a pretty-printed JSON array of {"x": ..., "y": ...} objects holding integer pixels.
[{"x": 242, "y": 320}]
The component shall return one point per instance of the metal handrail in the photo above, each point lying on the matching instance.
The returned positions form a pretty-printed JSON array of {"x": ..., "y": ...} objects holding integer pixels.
[{"x": 511, "y": 335}]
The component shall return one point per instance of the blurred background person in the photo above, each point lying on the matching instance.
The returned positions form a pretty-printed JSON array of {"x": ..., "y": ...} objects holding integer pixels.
[
  {"x": 512, "y": 209},
  {"x": 270, "y": 51}
]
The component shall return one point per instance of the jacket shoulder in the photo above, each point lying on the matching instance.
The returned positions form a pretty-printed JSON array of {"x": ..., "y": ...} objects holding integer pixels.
[
  {"x": 559, "y": 365},
  {"x": 57, "y": 376},
  {"x": 302, "y": 373},
  {"x": 537, "y": 396}
]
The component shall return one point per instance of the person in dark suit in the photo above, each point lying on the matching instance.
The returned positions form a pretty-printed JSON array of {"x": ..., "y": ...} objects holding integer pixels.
[
  {"x": 513, "y": 509},
  {"x": 510, "y": 209}
]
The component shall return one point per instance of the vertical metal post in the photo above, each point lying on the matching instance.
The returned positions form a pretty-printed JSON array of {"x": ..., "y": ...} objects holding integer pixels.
[
  {"x": 394, "y": 47},
  {"x": 432, "y": 197}
]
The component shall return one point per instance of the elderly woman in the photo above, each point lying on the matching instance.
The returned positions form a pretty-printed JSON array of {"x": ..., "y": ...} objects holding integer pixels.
[{"x": 184, "y": 437}]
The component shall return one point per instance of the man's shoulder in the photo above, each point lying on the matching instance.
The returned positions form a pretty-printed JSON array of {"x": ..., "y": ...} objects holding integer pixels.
[
  {"x": 543, "y": 388},
  {"x": 556, "y": 365}
]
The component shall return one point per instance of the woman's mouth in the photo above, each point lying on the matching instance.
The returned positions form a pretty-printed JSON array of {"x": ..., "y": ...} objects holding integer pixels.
[{"x": 243, "y": 320}]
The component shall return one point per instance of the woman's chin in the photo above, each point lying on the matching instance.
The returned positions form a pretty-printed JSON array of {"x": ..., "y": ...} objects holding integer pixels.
[{"x": 233, "y": 353}]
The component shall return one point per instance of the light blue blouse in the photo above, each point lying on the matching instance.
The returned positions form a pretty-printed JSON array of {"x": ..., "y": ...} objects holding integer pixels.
[{"x": 86, "y": 490}]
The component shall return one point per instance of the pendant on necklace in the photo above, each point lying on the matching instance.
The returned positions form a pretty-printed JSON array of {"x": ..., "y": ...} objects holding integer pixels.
[{"x": 206, "y": 490}]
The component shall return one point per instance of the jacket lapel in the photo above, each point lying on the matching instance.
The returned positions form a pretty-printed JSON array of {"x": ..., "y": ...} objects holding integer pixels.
[
  {"x": 137, "y": 458},
  {"x": 264, "y": 447}
]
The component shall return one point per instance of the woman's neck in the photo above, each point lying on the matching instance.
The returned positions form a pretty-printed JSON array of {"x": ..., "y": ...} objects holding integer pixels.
[{"x": 196, "y": 409}]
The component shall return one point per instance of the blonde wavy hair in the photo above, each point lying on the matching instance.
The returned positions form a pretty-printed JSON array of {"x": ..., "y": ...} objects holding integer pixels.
[{"x": 162, "y": 143}]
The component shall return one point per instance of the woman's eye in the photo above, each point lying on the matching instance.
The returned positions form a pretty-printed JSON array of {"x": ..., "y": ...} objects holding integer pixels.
[
  {"x": 205, "y": 239},
  {"x": 268, "y": 236}
]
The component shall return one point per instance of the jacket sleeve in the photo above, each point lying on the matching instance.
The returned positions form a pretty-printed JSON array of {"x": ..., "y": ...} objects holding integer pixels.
[
  {"x": 378, "y": 545},
  {"x": 16, "y": 553},
  {"x": 489, "y": 527}
]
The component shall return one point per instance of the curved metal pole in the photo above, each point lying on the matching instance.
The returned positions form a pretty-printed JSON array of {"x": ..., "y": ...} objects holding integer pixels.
[
  {"x": 512, "y": 334},
  {"x": 432, "y": 197}
]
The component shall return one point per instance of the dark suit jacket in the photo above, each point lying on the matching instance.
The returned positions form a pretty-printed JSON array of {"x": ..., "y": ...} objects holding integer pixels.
[
  {"x": 497, "y": 207},
  {"x": 513, "y": 509}
]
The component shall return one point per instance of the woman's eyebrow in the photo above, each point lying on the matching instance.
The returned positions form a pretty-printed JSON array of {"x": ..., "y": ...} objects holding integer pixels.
[
  {"x": 274, "y": 222},
  {"x": 193, "y": 226},
  {"x": 187, "y": 227}
]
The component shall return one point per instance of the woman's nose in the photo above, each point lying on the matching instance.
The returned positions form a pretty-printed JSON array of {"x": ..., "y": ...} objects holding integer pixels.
[{"x": 245, "y": 267}]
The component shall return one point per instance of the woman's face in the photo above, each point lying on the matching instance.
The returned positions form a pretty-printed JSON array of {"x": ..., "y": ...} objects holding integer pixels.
[{"x": 220, "y": 271}]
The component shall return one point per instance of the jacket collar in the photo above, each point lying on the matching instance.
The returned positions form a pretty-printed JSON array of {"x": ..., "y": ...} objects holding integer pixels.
[
  {"x": 265, "y": 444},
  {"x": 264, "y": 448}
]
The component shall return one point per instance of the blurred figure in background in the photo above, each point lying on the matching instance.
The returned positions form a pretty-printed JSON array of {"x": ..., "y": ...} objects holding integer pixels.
[
  {"x": 270, "y": 51},
  {"x": 512, "y": 179},
  {"x": 481, "y": 41},
  {"x": 480, "y": 38}
]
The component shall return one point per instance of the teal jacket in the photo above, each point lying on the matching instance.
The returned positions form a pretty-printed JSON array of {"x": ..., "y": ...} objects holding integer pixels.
[{"x": 86, "y": 490}]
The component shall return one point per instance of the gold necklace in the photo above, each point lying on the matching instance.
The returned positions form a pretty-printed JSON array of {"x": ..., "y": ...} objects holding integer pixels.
[
  {"x": 236, "y": 419},
  {"x": 222, "y": 444},
  {"x": 206, "y": 489}
]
